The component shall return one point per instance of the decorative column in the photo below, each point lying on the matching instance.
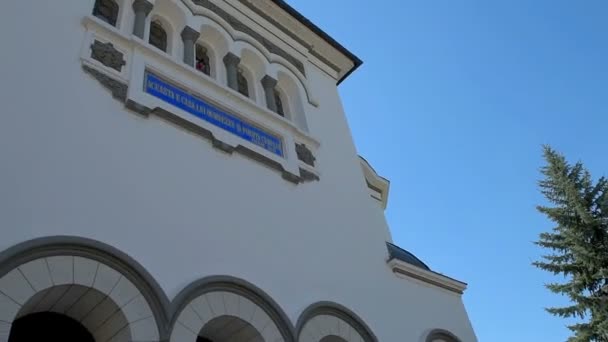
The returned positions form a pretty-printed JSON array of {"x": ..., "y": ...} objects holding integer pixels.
[
  {"x": 232, "y": 68},
  {"x": 141, "y": 8},
  {"x": 269, "y": 83},
  {"x": 189, "y": 37}
]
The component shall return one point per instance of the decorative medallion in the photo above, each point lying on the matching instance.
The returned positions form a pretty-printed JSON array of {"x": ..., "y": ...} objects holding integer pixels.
[
  {"x": 106, "y": 54},
  {"x": 305, "y": 155}
]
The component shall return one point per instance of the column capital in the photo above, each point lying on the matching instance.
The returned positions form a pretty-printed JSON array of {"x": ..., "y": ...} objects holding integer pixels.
[
  {"x": 269, "y": 82},
  {"x": 188, "y": 33},
  {"x": 144, "y": 6},
  {"x": 232, "y": 59}
]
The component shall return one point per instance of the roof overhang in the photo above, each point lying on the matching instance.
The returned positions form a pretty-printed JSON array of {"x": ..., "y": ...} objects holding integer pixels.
[
  {"x": 408, "y": 271},
  {"x": 320, "y": 43},
  {"x": 375, "y": 182}
]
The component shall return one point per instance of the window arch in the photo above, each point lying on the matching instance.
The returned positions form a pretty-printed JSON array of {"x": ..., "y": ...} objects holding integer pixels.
[
  {"x": 202, "y": 60},
  {"x": 242, "y": 83},
  {"x": 158, "y": 36},
  {"x": 293, "y": 106},
  {"x": 330, "y": 321},
  {"x": 222, "y": 308},
  {"x": 84, "y": 268},
  {"x": 106, "y": 10}
]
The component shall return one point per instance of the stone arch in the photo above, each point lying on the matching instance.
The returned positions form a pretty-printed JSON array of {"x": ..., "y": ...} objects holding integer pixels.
[
  {"x": 440, "y": 335},
  {"x": 293, "y": 96},
  {"x": 279, "y": 64},
  {"x": 327, "y": 320},
  {"x": 243, "y": 39},
  {"x": 224, "y": 296},
  {"x": 173, "y": 18},
  {"x": 83, "y": 279},
  {"x": 270, "y": 63},
  {"x": 218, "y": 45}
]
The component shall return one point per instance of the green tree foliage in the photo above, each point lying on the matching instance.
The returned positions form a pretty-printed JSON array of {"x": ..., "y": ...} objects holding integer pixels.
[{"x": 578, "y": 244}]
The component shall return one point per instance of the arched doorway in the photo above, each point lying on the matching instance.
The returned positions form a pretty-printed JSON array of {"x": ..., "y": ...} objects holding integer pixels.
[
  {"x": 49, "y": 326},
  {"x": 331, "y": 322},
  {"x": 227, "y": 309},
  {"x": 70, "y": 313},
  {"x": 81, "y": 285},
  {"x": 229, "y": 329}
]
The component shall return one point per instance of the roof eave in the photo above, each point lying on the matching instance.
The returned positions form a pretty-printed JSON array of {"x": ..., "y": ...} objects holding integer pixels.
[{"x": 314, "y": 28}]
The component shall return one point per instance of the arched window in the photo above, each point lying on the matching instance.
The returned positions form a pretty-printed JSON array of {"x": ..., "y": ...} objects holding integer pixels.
[
  {"x": 279, "y": 103},
  {"x": 202, "y": 60},
  {"x": 106, "y": 10},
  {"x": 158, "y": 36},
  {"x": 243, "y": 85}
]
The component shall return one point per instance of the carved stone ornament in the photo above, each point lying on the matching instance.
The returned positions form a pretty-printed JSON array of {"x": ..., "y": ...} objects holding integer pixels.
[
  {"x": 305, "y": 155},
  {"x": 307, "y": 176},
  {"x": 118, "y": 89},
  {"x": 107, "y": 55}
]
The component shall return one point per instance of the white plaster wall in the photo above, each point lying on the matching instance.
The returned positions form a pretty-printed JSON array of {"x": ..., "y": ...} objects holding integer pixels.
[{"x": 75, "y": 162}]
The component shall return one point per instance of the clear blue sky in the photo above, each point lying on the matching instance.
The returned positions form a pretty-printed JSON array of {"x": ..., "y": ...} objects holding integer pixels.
[{"x": 452, "y": 105}]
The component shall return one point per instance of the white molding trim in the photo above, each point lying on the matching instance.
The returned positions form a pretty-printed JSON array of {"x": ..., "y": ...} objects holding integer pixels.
[
  {"x": 405, "y": 270},
  {"x": 317, "y": 43},
  {"x": 378, "y": 186}
]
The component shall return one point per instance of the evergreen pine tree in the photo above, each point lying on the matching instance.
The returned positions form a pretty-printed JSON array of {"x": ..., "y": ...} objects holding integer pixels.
[{"x": 579, "y": 244}]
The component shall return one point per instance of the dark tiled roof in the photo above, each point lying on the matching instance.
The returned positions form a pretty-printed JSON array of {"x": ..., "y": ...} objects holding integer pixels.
[{"x": 396, "y": 252}]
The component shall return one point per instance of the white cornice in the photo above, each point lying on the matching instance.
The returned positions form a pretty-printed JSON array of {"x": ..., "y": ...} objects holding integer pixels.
[
  {"x": 315, "y": 43},
  {"x": 376, "y": 183},
  {"x": 405, "y": 270}
]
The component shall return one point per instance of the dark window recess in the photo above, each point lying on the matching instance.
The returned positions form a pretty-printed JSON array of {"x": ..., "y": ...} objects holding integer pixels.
[
  {"x": 242, "y": 83},
  {"x": 48, "y": 326},
  {"x": 202, "y": 60},
  {"x": 106, "y": 10},
  {"x": 279, "y": 103},
  {"x": 158, "y": 36}
]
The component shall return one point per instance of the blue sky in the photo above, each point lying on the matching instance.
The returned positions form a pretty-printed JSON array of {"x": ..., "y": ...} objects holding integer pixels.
[{"x": 452, "y": 105}]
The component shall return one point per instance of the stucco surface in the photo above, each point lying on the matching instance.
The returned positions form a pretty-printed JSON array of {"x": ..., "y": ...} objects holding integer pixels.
[{"x": 76, "y": 162}]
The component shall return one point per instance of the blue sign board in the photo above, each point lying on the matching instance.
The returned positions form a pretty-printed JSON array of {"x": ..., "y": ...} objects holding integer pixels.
[{"x": 196, "y": 106}]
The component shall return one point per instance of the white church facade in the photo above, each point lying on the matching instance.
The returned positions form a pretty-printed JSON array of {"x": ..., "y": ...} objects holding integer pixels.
[{"x": 183, "y": 171}]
